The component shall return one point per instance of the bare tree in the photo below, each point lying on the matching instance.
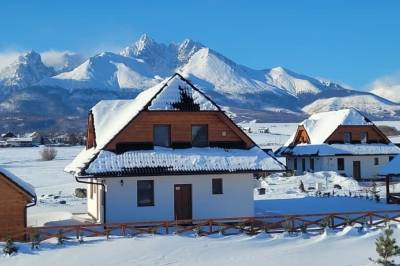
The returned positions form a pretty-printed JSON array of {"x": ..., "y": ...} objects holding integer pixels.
[{"x": 48, "y": 153}]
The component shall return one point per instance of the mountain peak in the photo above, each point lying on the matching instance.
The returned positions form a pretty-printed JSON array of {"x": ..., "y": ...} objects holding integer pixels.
[
  {"x": 27, "y": 70},
  {"x": 30, "y": 57}
]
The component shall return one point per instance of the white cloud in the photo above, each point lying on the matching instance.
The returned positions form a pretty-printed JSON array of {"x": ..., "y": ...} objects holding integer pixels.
[
  {"x": 387, "y": 86},
  {"x": 61, "y": 59},
  {"x": 6, "y": 58}
]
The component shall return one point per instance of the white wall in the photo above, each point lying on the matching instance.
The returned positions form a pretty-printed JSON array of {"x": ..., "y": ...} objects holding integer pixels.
[
  {"x": 236, "y": 200},
  {"x": 368, "y": 167}
]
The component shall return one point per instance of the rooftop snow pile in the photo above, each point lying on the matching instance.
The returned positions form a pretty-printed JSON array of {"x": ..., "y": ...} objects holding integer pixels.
[
  {"x": 341, "y": 149},
  {"x": 21, "y": 183},
  {"x": 320, "y": 126},
  {"x": 183, "y": 160}
]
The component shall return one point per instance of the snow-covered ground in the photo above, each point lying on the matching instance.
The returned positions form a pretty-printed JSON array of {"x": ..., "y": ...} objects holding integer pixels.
[{"x": 345, "y": 248}]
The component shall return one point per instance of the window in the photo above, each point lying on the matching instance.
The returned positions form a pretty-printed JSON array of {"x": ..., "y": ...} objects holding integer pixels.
[
  {"x": 364, "y": 137},
  {"x": 376, "y": 161},
  {"x": 199, "y": 135},
  {"x": 340, "y": 164},
  {"x": 303, "y": 164},
  {"x": 391, "y": 158},
  {"x": 347, "y": 137},
  {"x": 217, "y": 186},
  {"x": 312, "y": 164},
  {"x": 162, "y": 135},
  {"x": 295, "y": 164},
  {"x": 145, "y": 193}
]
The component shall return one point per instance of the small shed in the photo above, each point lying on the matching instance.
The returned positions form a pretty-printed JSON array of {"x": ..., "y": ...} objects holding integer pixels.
[
  {"x": 391, "y": 172},
  {"x": 15, "y": 197}
]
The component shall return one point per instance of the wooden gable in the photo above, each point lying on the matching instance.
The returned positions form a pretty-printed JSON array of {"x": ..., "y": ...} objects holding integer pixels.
[
  {"x": 220, "y": 128},
  {"x": 373, "y": 133},
  {"x": 301, "y": 136}
]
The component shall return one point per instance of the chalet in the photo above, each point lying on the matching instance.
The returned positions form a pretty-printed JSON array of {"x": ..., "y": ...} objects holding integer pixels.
[
  {"x": 20, "y": 142},
  {"x": 344, "y": 141},
  {"x": 170, "y": 153},
  {"x": 15, "y": 196}
]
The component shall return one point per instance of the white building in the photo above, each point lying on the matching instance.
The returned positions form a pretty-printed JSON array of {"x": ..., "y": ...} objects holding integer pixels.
[
  {"x": 169, "y": 154},
  {"x": 344, "y": 141}
]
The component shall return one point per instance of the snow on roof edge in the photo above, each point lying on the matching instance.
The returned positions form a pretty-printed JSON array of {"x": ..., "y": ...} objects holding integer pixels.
[{"x": 21, "y": 183}]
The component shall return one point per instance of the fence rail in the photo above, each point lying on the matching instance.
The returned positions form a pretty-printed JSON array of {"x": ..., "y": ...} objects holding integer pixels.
[{"x": 205, "y": 227}]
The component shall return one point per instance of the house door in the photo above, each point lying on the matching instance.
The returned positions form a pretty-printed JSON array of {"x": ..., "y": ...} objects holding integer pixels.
[
  {"x": 356, "y": 169},
  {"x": 183, "y": 201}
]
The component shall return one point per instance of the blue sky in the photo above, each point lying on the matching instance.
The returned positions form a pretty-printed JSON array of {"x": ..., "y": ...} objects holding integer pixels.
[{"x": 355, "y": 42}]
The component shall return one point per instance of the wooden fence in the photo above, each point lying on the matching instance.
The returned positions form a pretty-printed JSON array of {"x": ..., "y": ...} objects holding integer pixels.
[{"x": 205, "y": 227}]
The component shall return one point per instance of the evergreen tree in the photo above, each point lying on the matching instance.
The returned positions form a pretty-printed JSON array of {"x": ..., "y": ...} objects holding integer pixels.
[
  {"x": 301, "y": 187},
  {"x": 10, "y": 248},
  {"x": 386, "y": 248}
]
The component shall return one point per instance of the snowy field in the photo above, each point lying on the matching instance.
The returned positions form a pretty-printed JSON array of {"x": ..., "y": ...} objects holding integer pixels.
[
  {"x": 346, "y": 248},
  {"x": 282, "y": 196},
  {"x": 51, "y": 183}
]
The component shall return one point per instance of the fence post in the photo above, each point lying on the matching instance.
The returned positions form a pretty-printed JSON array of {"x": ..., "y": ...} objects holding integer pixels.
[
  {"x": 332, "y": 221},
  {"x": 166, "y": 224},
  {"x": 209, "y": 226},
  {"x": 77, "y": 232}
]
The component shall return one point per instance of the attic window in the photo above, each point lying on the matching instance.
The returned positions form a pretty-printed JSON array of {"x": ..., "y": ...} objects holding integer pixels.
[
  {"x": 347, "y": 137},
  {"x": 364, "y": 137},
  {"x": 186, "y": 102}
]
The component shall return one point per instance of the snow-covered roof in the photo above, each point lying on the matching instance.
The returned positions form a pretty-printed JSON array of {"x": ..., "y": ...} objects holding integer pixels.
[
  {"x": 28, "y": 188},
  {"x": 391, "y": 168},
  {"x": 161, "y": 97},
  {"x": 183, "y": 160},
  {"x": 320, "y": 126},
  {"x": 340, "y": 149}
]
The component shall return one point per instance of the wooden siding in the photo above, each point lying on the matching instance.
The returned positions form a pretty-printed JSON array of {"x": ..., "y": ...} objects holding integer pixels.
[
  {"x": 12, "y": 208},
  {"x": 374, "y": 134},
  {"x": 301, "y": 136},
  {"x": 140, "y": 129}
]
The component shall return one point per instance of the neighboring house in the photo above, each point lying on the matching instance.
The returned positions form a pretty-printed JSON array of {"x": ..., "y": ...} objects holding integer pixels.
[
  {"x": 20, "y": 142},
  {"x": 35, "y": 137},
  {"x": 170, "y": 153},
  {"x": 15, "y": 196},
  {"x": 344, "y": 141},
  {"x": 7, "y": 135}
]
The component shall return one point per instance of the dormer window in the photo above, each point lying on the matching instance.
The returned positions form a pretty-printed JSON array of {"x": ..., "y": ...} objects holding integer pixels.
[
  {"x": 347, "y": 137},
  {"x": 162, "y": 135},
  {"x": 199, "y": 135},
  {"x": 364, "y": 137}
]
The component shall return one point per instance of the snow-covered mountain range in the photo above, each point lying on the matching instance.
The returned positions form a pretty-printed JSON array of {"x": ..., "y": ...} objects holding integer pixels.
[{"x": 70, "y": 89}]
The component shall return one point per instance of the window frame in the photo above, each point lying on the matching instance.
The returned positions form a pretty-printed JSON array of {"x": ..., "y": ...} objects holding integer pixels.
[
  {"x": 207, "y": 136},
  {"x": 295, "y": 166},
  {"x": 303, "y": 164},
  {"x": 366, "y": 137},
  {"x": 140, "y": 196},
  {"x": 312, "y": 164},
  {"x": 217, "y": 186},
  {"x": 169, "y": 134},
  {"x": 376, "y": 161},
  {"x": 350, "y": 137},
  {"x": 340, "y": 166}
]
